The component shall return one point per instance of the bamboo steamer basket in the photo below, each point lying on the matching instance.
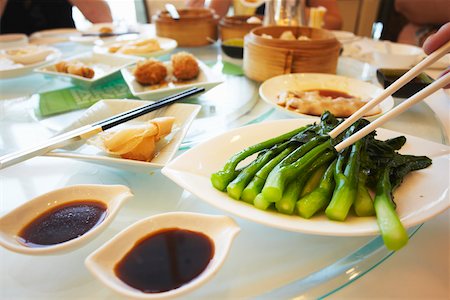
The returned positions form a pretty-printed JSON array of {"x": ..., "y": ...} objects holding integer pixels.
[
  {"x": 236, "y": 27},
  {"x": 265, "y": 58},
  {"x": 196, "y": 26}
]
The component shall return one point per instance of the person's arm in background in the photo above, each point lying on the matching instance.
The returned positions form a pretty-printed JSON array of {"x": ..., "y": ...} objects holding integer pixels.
[
  {"x": 333, "y": 18},
  {"x": 423, "y": 12},
  {"x": 220, "y": 6},
  {"x": 96, "y": 11},
  {"x": 2, "y": 7},
  {"x": 424, "y": 17}
]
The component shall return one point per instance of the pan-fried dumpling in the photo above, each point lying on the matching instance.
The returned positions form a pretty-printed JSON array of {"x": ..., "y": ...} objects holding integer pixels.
[{"x": 136, "y": 141}]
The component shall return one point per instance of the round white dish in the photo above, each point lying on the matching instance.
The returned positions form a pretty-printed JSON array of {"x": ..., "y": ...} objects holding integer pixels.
[
  {"x": 21, "y": 70},
  {"x": 419, "y": 198},
  {"x": 114, "y": 196},
  {"x": 271, "y": 88},
  {"x": 220, "y": 229},
  {"x": 167, "y": 45}
]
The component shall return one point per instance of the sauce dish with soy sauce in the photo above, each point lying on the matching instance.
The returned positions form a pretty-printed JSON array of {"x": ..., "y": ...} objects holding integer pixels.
[
  {"x": 164, "y": 256},
  {"x": 61, "y": 220}
]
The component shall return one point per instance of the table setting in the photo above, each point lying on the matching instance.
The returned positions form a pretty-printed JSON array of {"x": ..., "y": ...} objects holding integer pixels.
[{"x": 136, "y": 127}]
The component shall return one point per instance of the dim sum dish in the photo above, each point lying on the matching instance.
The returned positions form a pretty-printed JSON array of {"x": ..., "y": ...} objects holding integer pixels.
[
  {"x": 145, "y": 143},
  {"x": 310, "y": 94},
  {"x": 87, "y": 69},
  {"x": 151, "y": 79}
]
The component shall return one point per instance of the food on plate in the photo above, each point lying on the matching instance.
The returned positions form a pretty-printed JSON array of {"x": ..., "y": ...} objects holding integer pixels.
[
  {"x": 28, "y": 55},
  {"x": 184, "y": 66},
  {"x": 75, "y": 68},
  {"x": 316, "y": 102},
  {"x": 135, "y": 141},
  {"x": 150, "y": 71},
  {"x": 301, "y": 173},
  {"x": 105, "y": 29},
  {"x": 141, "y": 46}
]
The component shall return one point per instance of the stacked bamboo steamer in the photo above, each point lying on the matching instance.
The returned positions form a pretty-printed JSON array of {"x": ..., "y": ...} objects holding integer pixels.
[
  {"x": 196, "y": 26},
  {"x": 268, "y": 57}
]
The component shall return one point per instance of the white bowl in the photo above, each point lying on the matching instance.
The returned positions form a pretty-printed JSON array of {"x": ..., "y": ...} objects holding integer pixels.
[
  {"x": 220, "y": 229},
  {"x": 396, "y": 56},
  {"x": 13, "y": 40},
  {"x": 113, "y": 196},
  {"x": 28, "y": 54}
]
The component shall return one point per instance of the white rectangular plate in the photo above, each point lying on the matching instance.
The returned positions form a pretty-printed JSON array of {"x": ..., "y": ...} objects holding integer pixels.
[
  {"x": 104, "y": 66},
  {"x": 207, "y": 78},
  {"x": 184, "y": 115},
  {"x": 422, "y": 195}
]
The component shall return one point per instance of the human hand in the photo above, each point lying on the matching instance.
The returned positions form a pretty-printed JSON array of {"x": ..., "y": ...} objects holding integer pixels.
[{"x": 436, "y": 40}]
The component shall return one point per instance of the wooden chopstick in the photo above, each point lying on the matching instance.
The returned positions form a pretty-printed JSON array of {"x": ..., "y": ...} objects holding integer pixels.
[
  {"x": 419, "y": 96},
  {"x": 408, "y": 76},
  {"x": 90, "y": 130}
]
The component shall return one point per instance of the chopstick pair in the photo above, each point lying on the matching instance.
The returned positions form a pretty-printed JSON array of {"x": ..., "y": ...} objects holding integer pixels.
[
  {"x": 419, "y": 96},
  {"x": 87, "y": 131}
]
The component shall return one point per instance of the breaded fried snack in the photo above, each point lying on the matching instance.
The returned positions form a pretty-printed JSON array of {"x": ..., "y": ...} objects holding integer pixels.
[
  {"x": 150, "y": 71},
  {"x": 184, "y": 66}
]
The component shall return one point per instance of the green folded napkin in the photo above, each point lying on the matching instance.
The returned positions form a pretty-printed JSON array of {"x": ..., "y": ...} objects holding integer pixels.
[{"x": 73, "y": 98}]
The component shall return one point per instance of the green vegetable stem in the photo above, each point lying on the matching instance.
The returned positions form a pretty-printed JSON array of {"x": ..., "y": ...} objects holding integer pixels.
[
  {"x": 311, "y": 203},
  {"x": 221, "y": 178}
]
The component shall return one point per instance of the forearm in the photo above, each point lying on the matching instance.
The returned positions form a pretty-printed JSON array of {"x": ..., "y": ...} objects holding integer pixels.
[
  {"x": 424, "y": 12},
  {"x": 96, "y": 11},
  {"x": 2, "y": 7}
]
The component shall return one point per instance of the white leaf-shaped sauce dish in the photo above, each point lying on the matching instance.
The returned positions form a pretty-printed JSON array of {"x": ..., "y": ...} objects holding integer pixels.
[
  {"x": 164, "y": 256},
  {"x": 61, "y": 220}
]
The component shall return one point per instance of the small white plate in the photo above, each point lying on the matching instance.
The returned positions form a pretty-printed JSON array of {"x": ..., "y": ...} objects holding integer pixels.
[
  {"x": 53, "y": 36},
  {"x": 113, "y": 196},
  {"x": 420, "y": 197},
  {"x": 272, "y": 87},
  {"x": 220, "y": 229},
  {"x": 104, "y": 66},
  {"x": 184, "y": 115},
  {"x": 167, "y": 45},
  {"x": 18, "y": 70},
  {"x": 207, "y": 78}
]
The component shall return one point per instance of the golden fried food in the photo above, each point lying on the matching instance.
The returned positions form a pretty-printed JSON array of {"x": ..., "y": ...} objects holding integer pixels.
[
  {"x": 75, "y": 68},
  {"x": 105, "y": 30},
  {"x": 150, "y": 71},
  {"x": 184, "y": 66}
]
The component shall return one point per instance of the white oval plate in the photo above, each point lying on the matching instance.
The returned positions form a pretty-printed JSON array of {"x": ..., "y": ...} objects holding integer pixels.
[
  {"x": 272, "y": 87},
  {"x": 207, "y": 78},
  {"x": 184, "y": 115},
  {"x": 104, "y": 66},
  {"x": 220, "y": 229},
  {"x": 114, "y": 196},
  {"x": 167, "y": 45},
  {"x": 420, "y": 197},
  {"x": 28, "y": 69}
]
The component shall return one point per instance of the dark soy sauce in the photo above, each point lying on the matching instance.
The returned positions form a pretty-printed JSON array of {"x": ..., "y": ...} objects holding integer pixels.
[
  {"x": 165, "y": 260},
  {"x": 63, "y": 223}
]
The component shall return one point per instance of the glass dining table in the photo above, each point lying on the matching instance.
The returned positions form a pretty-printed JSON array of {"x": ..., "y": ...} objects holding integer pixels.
[{"x": 264, "y": 262}]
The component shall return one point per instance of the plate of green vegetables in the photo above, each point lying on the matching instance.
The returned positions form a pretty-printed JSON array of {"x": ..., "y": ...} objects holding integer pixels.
[{"x": 287, "y": 174}]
